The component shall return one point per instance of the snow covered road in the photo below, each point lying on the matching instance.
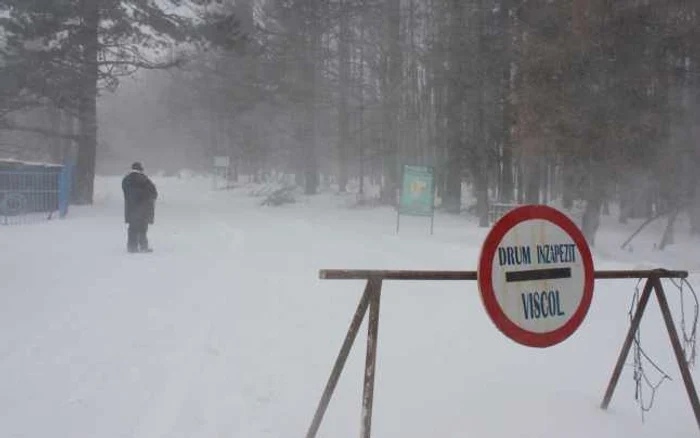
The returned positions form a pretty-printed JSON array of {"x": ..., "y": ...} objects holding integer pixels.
[{"x": 226, "y": 331}]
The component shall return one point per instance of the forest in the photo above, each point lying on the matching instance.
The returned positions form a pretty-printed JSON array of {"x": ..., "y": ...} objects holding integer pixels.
[{"x": 584, "y": 102}]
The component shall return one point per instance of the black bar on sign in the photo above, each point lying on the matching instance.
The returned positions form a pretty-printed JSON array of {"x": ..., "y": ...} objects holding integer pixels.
[{"x": 538, "y": 274}]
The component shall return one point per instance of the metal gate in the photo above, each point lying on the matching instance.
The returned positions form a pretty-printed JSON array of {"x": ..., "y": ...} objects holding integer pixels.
[{"x": 33, "y": 192}]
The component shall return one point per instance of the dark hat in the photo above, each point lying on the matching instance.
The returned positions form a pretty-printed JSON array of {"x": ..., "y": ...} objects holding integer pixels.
[{"x": 137, "y": 166}]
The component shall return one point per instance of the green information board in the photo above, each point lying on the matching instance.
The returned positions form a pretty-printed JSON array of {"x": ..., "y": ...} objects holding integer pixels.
[{"x": 417, "y": 196}]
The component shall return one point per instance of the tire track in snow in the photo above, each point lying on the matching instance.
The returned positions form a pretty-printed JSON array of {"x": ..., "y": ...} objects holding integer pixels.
[{"x": 166, "y": 408}]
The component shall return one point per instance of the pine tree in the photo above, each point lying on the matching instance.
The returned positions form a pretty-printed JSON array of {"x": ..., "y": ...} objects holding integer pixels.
[{"x": 66, "y": 51}]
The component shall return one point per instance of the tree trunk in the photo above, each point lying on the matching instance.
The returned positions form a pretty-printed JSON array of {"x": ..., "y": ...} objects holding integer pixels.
[
  {"x": 343, "y": 114},
  {"x": 56, "y": 145},
  {"x": 481, "y": 168},
  {"x": 506, "y": 184},
  {"x": 694, "y": 209},
  {"x": 310, "y": 67},
  {"x": 360, "y": 114},
  {"x": 454, "y": 113},
  {"x": 67, "y": 127},
  {"x": 311, "y": 168},
  {"x": 591, "y": 219},
  {"x": 87, "y": 143},
  {"x": 361, "y": 117},
  {"x": 669, "y": 232},
  {"x": 481, "y": 189},
  {"x": 594, "y": 204},
  {"x": 452, "y": 197},
  {"x": 521, "y": 184},
  {"x": 567, "y": 179},
  {"x": 479, "y": 158},
  {"x": 311, "y": 177},
  {"x": 544, "y": 191},
  {"x": 390, "y": 104},
  {"x": 533, "y": 181}
]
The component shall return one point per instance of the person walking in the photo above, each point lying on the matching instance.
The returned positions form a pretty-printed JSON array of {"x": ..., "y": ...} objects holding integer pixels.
[{"x": 140, "y": 195}]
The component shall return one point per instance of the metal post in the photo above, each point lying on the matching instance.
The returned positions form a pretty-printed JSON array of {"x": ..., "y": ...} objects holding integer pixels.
[
  {"x": 371, "y": 361},
  {"x": 340, "y": 361},
  {"x": 677, "y": 349},
  {"x": 64, "y": 189},
  {"x": 634, "y": 326}
]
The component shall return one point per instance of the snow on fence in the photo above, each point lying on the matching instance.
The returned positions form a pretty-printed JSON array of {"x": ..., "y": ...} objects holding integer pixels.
[{"x": 32, "y": 192}]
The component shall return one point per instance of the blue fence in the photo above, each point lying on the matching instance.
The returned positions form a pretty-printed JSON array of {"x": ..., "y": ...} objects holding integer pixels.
[{"x": 33, "y": 192}]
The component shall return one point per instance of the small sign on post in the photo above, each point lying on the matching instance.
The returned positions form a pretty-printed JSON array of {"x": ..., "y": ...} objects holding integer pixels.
[
  {"x": 417, "y": 197},
  {"x": 222, "y": 161},
  {"x": 222, "y": 166},
  {"x": 536, "y": 276}
]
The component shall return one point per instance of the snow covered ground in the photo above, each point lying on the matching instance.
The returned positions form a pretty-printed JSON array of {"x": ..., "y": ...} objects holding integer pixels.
[{"x": 226, "y": 330}]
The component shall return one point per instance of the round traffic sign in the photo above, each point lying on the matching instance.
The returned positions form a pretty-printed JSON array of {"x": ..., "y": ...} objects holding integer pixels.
[{"x": 536, "y": 276}]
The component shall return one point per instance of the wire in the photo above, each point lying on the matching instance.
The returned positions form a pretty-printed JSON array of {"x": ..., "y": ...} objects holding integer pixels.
[
  {"x": 640, "y": 359},
  {"x": 689, "y": 335}
]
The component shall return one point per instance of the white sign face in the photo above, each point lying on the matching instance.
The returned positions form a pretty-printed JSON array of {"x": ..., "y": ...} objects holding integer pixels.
[
  {"x": 536, "y": 276},
  {"x": 222, "y": 161}
]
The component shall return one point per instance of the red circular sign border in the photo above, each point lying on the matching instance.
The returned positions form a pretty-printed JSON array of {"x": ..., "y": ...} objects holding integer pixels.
[{"x": 484, "y": 276}]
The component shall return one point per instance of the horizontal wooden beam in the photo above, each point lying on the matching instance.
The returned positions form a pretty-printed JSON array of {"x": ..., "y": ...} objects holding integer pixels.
[
  {"x": 651, "y": 273},
  {"x": 345, "y": 274},
  {"x": 360, "y": 274}
]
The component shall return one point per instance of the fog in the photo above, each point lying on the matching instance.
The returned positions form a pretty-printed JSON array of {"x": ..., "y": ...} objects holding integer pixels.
[
  {"x": 575, "y": 102},
  {"x": 369, "y": 134}
]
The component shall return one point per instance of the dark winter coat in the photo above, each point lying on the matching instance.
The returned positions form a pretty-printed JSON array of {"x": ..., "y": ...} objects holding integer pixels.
[{"x": 140, "y": 196}]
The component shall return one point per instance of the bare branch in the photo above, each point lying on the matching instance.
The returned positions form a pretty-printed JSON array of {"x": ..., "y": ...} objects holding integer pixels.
[
  {"x": 144, "y": 64},
  {"x": 10, "y": 126}
]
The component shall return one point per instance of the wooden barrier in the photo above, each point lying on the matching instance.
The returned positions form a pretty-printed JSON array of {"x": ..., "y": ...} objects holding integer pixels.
[{"x": 372, "y": 296}]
